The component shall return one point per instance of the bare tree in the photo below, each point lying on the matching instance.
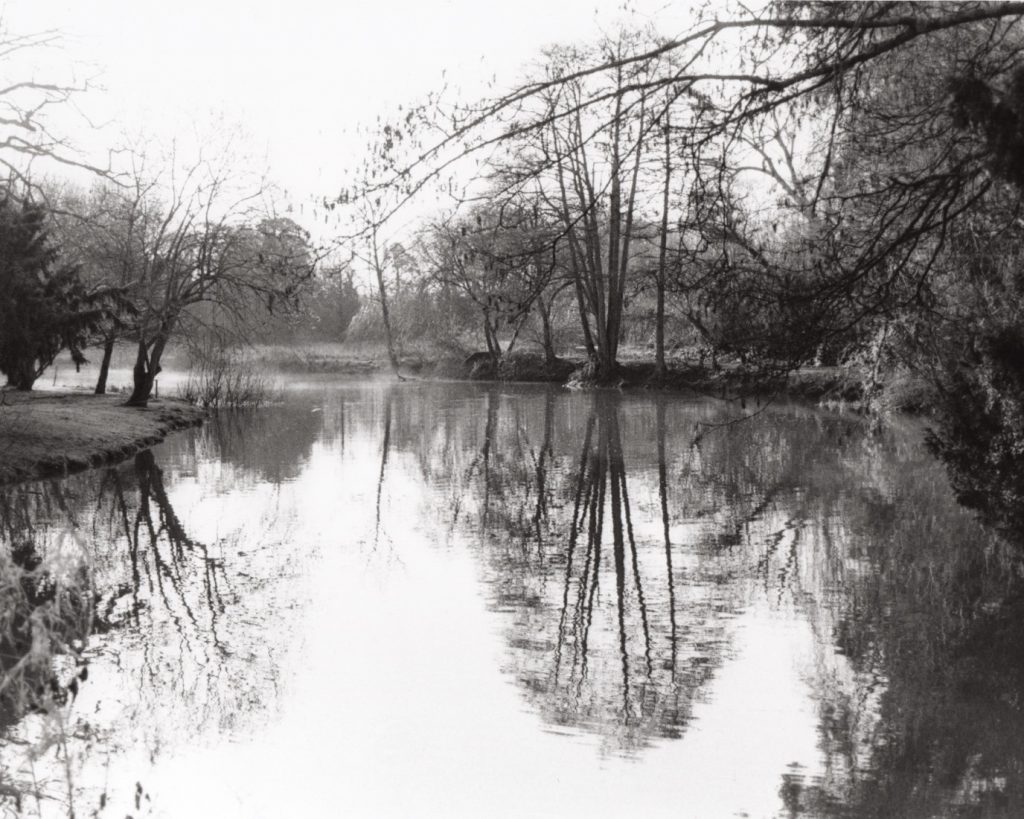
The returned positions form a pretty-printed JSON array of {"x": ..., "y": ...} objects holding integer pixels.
[
  {"x": 378, "y": 260},
  {"x": 192, "y": 240},
  {"x": 32, "y": 85},
  {"x": 103, "y": 230},
  {"x": 502, "y": 256}
]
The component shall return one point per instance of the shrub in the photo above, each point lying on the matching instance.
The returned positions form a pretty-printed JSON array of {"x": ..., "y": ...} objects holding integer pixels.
[{"x": 221, "y": 378}]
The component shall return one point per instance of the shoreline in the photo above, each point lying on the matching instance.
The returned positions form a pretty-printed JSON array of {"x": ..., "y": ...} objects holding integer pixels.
[
  {"x": 46, "y": 434},
  {"x": 52, "y": 434},
  {"x": 824, "y": 385},
  {"x": 830, "y": 387}
]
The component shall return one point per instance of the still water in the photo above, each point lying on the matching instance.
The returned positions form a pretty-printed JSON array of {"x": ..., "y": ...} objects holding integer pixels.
[{"x": 458, "y": 600}]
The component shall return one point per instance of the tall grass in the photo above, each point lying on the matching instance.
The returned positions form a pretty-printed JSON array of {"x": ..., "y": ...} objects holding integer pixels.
[{"x": 220, "y": 377}]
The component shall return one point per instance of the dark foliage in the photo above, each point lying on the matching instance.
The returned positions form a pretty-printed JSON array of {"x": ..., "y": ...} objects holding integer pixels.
[
  {"x": 44, "y": 305},
  {"x": 980, "y": 436},
  {"x": 998, "y": 115}
]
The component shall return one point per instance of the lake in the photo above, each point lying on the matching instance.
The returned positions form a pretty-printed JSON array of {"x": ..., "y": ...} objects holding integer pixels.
[{"x": 452, "y": 599}]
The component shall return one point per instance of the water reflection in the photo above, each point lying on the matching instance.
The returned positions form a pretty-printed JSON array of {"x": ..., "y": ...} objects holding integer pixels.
[
  {"x": 106, "y": 580},
  {"x": 656, "y": 579},
  {"x": 612, "y": 659},
  {"x": 625, "y": 572},
  {"x": 163, "y": 559},
  {"x": 45, "y": 610}
]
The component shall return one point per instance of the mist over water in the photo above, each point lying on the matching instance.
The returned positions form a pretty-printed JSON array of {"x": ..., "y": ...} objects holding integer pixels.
[{"x": 463, "y": 600}]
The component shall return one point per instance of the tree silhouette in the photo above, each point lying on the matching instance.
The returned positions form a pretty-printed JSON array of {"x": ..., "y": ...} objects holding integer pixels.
[{"x": 45, "y": 307}]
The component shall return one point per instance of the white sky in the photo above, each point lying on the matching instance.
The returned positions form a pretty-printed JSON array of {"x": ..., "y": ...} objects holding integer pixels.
[{"x": 298, "y": 76}]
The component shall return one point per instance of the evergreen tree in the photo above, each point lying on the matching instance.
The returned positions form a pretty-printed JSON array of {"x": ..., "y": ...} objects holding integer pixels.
[{"x": 44, "y": 305}]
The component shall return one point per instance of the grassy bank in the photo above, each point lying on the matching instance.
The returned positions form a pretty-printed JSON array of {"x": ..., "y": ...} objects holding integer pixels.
[{"x": 51, "y": 433}]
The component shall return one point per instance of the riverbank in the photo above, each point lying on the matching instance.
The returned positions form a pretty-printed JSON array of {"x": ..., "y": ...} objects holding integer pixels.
[
  {"x": 832, "y": 387},
  {"x": 828, "y": 386},
  {"x": 821, "y": 384},
  {"x": 53, "y": 433}
]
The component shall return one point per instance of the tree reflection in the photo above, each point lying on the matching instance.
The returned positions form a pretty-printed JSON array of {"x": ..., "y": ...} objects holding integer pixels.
[
  {"x": 163, "y": 557},
  {"x": 46, "y": 601},
  {"x": 665, "y": 526},
  {"x": 927, "y": 718},
  {"x": 621, "y": 551},
  {"x": 624, "y": 543},
  {"x": 46, "y": 612},
  {"x": 271, "y": 444},
  {"x": 602, "y": 481},
  {"x": 595, "y": 637},
  {"x": 152, "y": 602}
]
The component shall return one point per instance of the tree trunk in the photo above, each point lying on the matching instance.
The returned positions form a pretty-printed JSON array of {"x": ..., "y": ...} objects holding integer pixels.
[
  {"x": 491, "y": 337},
  {"x": 23, "y": 376},
  {"x": 147, "y": 368},
  {"x": 659, "y": 332},
  {"x": 606, "y": 364},
  {"x": 549, "y": 343},
  {"x": 608, "y": 340},
  {"x": 386, "y": 315},
  {"x": 659, "y": 317},
  {"x": 515, "y": 334},
  {"x": 101, "y": 382},
  {"x": 378, "y": 268},
  {"x": 588, "y": 336}
]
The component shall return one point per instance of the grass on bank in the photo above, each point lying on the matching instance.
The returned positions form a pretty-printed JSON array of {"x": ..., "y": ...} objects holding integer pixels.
[{"x": 51, "y": 433}]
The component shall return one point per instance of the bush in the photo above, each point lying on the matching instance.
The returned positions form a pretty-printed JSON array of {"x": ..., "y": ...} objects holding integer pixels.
[
  {"x": 221, "y": 378},
  {"x": 980, "y": 431}
]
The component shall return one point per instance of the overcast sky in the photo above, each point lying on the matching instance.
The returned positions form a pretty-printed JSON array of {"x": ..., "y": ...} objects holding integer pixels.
[{"x": 299, "y": 76}]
